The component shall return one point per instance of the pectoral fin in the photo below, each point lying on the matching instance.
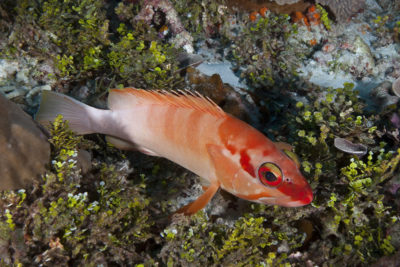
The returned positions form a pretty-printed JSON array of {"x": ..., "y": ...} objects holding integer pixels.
[
  {"x": 126, "y": 145},
  {"x": 120, "y": 143},
  {"x": 201, "y": 202},
  {"x": 225, "y": 170}
]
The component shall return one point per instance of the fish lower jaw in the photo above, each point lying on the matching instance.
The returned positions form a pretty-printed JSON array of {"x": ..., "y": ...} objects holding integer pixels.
[
  {"x": 298, "y": 203},
  {"x": 283, "y": 201},
  {"x": 294, "y": 204},
  {"x": 280, "y": 201}
]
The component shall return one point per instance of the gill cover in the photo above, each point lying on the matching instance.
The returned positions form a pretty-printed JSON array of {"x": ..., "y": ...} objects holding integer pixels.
[{"x": 225, "y": 168}]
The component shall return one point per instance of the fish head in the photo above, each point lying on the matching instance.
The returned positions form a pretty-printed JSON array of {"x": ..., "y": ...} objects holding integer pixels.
[
  {"x": 271, "y": 178},
  {"x": 263, "y": 174},
  {"x": 252, "y": 167}
]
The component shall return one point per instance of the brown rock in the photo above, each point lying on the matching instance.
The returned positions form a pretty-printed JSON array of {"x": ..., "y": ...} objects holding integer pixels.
[
  {"x": 24, "y": 149},
  {"x": 222, "y": 94}
]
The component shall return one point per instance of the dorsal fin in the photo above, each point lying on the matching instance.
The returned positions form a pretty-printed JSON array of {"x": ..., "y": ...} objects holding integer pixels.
[{"x": 128, "y": 97}]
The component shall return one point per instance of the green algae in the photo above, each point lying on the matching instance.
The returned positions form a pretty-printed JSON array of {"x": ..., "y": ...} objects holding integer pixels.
[
  {"x": 138, "y": 58},
  {"x": 266, "y": 43},
  {"x": 247, "y": 242},
  {"x": 355, "y": 214},
  {"x": 71, "y": 214},
  {"x": 77, "y": 36},
  {"x": 324, "y": 17},
  {"x": 264, "y": 51}
]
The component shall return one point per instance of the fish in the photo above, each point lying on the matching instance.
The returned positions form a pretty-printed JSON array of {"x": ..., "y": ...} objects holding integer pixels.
[{"x": 194, "y": 132}]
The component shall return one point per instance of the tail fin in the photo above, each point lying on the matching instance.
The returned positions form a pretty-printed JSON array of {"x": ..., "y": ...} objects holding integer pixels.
[{"x": 77, "y": 113}]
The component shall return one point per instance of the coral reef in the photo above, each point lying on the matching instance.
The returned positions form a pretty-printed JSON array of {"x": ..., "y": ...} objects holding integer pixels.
[{"x": 98, "y": 206}]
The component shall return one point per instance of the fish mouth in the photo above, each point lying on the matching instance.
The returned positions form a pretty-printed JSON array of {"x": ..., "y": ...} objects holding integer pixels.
[{"x": 305, "y": 199}]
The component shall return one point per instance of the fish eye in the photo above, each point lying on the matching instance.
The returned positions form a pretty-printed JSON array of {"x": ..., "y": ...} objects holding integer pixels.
[
  {"x": 293, "y": 157},
  {"x": 270, "y": 174}
]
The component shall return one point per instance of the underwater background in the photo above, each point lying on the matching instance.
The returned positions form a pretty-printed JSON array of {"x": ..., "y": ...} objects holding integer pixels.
[{"x": 323, "y": 76}]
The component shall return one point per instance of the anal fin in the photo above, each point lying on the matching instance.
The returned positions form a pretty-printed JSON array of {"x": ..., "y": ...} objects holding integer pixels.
[
  {"x": 121, "y": 143},
  {"x": 127, "y": 145}
]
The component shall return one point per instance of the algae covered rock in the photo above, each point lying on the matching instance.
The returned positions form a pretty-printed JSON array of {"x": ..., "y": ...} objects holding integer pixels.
[
  {"x": 343, "y": 10},
  {"x": 24, "y": 148}
]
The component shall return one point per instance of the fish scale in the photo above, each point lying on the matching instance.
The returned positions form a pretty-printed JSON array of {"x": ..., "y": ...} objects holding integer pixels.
[{"x": 176, "y": 128}]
